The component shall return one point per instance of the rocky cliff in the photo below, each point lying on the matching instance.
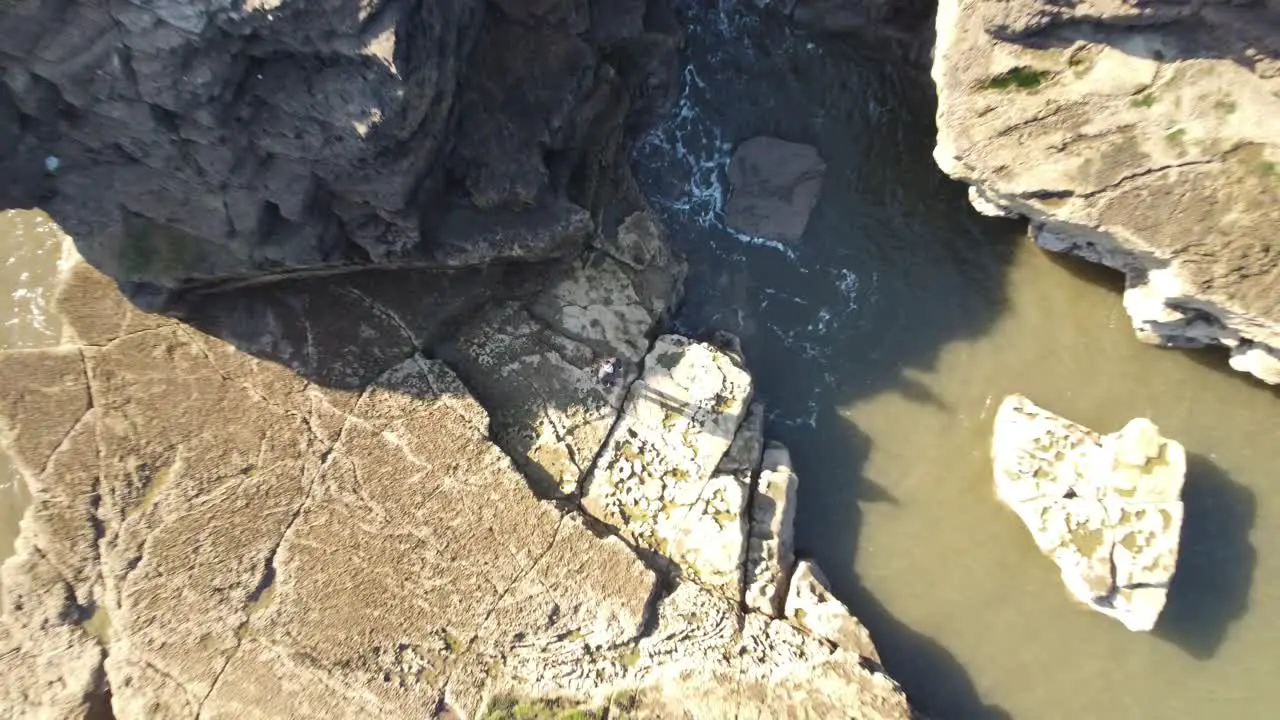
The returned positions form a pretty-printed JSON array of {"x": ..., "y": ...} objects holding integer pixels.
[
  {"x": 283, "y": 507},
  {"x": 1145, "y": 136},
  {"x": 186, "y": 142}
]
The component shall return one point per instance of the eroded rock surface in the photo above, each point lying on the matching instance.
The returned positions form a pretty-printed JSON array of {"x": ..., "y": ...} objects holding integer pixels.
[
  {"x": 656, "y": 476},
  {"x": 1143, "y": 136},
  {"x": 770, "y": 555},
  {"x": 199, "y": 141},
  {"x": 773, "y": 185},
  {"x": 1106, "y": 509},
  {"x": 285, "y": 509},
  {"x": 811, "y": 605}
]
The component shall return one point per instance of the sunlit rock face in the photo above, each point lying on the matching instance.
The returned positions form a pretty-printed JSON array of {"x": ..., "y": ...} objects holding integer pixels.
[
  {"x": 773, "y": 186},
  {"x": 1106, "y": 509},
  {"x": 1143, "y": 136}
]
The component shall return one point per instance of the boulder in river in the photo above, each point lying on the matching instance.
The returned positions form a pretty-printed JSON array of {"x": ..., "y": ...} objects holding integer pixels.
[
  {"x": 1143, "y": 136},
  {"x": 773, "y": 186},
  {"x": 1106, "y": 509}
]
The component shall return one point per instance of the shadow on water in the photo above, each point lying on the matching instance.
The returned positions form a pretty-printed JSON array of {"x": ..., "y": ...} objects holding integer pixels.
[
  {"x": 827, "y": 530},
  {"x": 1216, "y": 561},
  {"x": 894, "y": 266}
]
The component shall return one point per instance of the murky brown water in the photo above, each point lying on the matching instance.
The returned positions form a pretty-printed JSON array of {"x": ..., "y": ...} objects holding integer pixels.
[
  {"x": 29, "y": 248},
  {"x": 883, "y": 343}
]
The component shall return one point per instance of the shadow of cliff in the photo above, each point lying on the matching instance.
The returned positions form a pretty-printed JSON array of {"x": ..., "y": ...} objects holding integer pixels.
[
  {"x": 1216, "y": 561},
  {"x": 829, "y": 462},
  {"x": 285, "y": 143}
]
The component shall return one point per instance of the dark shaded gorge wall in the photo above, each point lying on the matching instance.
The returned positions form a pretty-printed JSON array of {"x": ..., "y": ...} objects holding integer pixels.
[{"x": 187, "y": 143}]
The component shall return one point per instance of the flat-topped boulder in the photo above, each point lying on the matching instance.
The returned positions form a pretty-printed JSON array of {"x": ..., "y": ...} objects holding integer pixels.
[
  {"x": 1106, "y": 509},
  {"x": 1143, "y": 136}
]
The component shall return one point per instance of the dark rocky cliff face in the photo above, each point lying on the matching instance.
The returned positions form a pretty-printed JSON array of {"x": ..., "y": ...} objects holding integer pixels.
[{"x": 185, "y": 142}]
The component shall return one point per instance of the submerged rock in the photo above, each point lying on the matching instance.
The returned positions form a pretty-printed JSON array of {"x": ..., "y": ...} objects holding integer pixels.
[
  {"x": 773, "y": 185},
  {"x": 1144, "y": 136},
  {"x": 1106, "y": 509}
]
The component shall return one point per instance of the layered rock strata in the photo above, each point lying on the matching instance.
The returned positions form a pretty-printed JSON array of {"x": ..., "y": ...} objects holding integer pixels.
[
  {"x": 1106, "y": 509},
  {"x": 185, "y": 143},
  {"x": 282, "y": 507},
  {"x": 1142, "y": 136},
  {"x": 773, "y": 186}
]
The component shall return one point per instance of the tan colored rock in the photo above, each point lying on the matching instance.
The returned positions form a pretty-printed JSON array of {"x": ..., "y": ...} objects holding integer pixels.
[
  {"x": 811, "y": 605},
  {"x": 1131, "y": 140},
  {"x": 656, "y": 480},
  {"x": 1106, "y": 509},
  {"x": 774, "y": 185},
  {"x": 770, "y": 550}
]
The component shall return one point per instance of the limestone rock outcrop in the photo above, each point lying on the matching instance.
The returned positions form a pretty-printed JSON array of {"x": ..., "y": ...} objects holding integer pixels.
[
  {"x": 1106, "y": 509},
  {"x": 773, "y": 186},
  {"x": 1144, "y": 136},
  {"x": 811, "y": 604},
  {"x": 193, "y": 142},
  {"x": 280, "y": 506},
  {"x": 553, "y": 369},
  {"x": 770, "y": 554},
  {"x": 656, "y": 478}
]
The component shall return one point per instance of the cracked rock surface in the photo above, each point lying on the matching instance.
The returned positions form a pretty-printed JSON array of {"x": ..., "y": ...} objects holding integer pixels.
[
  {"x": 1106, "y": 509},
  {"x": 279, "y": 506},
  {"x": 1142, "y": 136}
]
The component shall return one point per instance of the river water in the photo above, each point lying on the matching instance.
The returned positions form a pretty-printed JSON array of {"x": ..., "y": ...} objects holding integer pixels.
[{"x": 883, "y": 343}]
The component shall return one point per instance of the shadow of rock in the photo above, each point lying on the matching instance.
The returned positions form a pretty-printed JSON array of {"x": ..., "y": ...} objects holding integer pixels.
[
  {"x": 936, "y": 683},
  {"x": 1215, "y": 563}
]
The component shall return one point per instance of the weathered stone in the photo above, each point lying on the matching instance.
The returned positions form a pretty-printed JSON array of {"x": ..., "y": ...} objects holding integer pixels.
[
  {"x": 811, "y": 605},
  {"x": 1106, "y": 509},
  {"x": 201, "y": 142},
  {"x": 773, "y": 186},
  {"x": 1142, "y": 136},
  {"x": 554, "y": 371},
  {"x": 770, "y": 551},
  {"x": 653, "y": 479},
  {"x": 221, "y": 529}
]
